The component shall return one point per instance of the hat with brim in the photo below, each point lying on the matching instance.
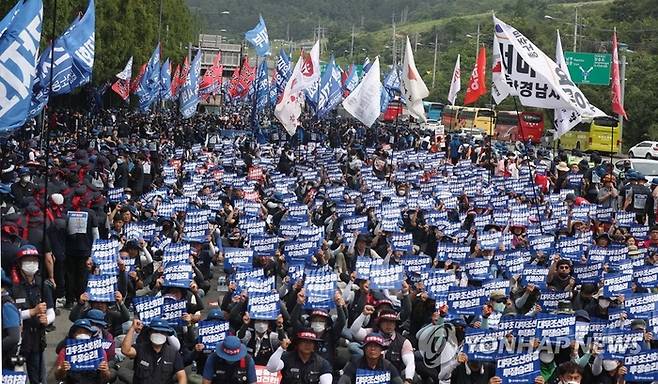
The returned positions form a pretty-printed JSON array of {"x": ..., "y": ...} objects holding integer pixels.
[
  {"x": 215, "y": 314},
  {"x": 374, "y": 338},
  {"x": 231, "y": 349},
  {"x": 308, "y": 335},
  {"x": 83, "y": 324},
  {"x": 320, "y": 313},
  {"x": 96, "y": 317},
  {"x": 387, "y": 316},
  {"x": 161, "y": 326},
  {"x": 603, "y": 236},
  {"x": 562, "y": 166},
  {"x": 489, "y": 227}
]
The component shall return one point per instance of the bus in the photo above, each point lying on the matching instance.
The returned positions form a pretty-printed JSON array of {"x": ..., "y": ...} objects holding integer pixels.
[
  {"x": 480, "y": 118},
  {"x": 508, "y": 129},
  {"x": 433, "y": 110},
  {"x": 597, "y": 134},
  {"x": 393, "y": 111},
  {"x": 449, "y": 116}
]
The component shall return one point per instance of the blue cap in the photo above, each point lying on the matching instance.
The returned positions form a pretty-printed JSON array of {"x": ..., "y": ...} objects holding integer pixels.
[
  {"x": 161, "y": 326},
  {"x": 96, "y": 317},
  {"x": 84, "y": 324},
  {"x": 654, "y": 181},
  {"x": 215, "y": 314},
  {"x": 231, "y": 349}
]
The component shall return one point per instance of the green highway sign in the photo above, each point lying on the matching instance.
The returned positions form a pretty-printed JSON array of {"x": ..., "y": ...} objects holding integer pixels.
[{"x": 589, "y": 68}]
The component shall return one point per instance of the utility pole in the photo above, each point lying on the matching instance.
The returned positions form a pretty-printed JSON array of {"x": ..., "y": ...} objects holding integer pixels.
[
  {"x": 436, "y": 49},
  {"x": 415, "y": 42},
  {"x": 477, "y": 42},
  {"x": 394, "y": 48},
  {"x": 575, "y": 32},
  {"x": 352, "y": 46}
]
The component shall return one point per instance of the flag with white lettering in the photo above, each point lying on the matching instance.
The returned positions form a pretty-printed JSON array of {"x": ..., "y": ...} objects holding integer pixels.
[
  {"x": 174, "y": 82},
  {"x": 283, "y": 71},
  {"x": 212, "y": 80},
  {"x": 262, "y": 87},
  {"x": 455, "y": 83},
  {"x": 165, "y": 81},
  {"x": 476, "y": 84},
  {"x": 615, "y": 90},
  {"x": 259, "y": 39},
  {"x": 149, "y": 85},
  {"x": 9, "y": 17},
  {"x": 189, "y": 93},
  {"x": 122, "y": 85},
  {"x": 390, "y": 86},
  {"x": 331, "y": 93},
  {"x": 19, "y": 45},
  {"x": 538, "y": 80},
  {"x": 564, "y": 119}
]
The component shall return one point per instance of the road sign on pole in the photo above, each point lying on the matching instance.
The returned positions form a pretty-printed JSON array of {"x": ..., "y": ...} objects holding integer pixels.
[{"x": 589, "y": 68}]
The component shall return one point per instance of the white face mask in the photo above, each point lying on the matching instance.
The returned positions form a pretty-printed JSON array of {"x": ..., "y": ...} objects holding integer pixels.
[
  {"x": 317, "y": 326},
  {"x": 604, "y": 304},
  {"x": 546, "y": 357},
  {"x": 83, "y": 336},
  {"x": 609, "y": 365},
  {"x": 26, "y": 179},
  {"x": 158, "y": 338},
  {"x": 260, "y": 327},
  {"x": 30, "y": 267}
]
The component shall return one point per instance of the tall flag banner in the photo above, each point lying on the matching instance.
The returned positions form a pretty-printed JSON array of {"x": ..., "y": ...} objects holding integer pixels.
[
  {"x": 122, "y": 85},
  {"x": 539, "y": 81},
  {"x": 19, "y": 45},
  {"x": 366, "y": 65},
  {"x": 165, "y": 81},
  {"x": 73, "y": 61},
  {"x": 149, "y": 85},
  {"x": 175, "y": 86},
  {"x": 309, "y": 71},
  {"x": 9, "y": 17},
  {"x": 262, "y": 86},
  {"x": 351, "y": 81},
  {"x": 274, "y": 94},
  {"x": 331, "y": 92},
  {"x": 413, "y": 88},
  {"x": 242, "y": 79},
  {"x": 390, "y": 86},
  {"x": 455, "y": 83},
  {"x": 289, "y": 107},
  {"x": 211, "y": 82},
  {"x": 617, "y": 106},
  {"x": 184, "y": 71},
  {"x": 134, "y": 84},
  {"x": 500, "y": 79},
  {"x": 189, "y": 93},
  {"x": 476, "y": 84},
  {"x": 283, "y": 71},
  {"x": 312, "y": 95},
  {"x": 259, "y": 39},
  {"x": 564, "y": 119},
  {"x": 363, "y": 103}
]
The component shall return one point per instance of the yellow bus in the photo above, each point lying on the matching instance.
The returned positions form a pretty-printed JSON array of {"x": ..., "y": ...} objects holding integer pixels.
[
  {"x": 598, "y": 134},
  {"x": 456, "y": 117}
]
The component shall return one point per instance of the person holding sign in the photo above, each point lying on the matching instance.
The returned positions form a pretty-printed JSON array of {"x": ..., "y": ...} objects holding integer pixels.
[
  {"x": 80, "y": 330},
  {"x": 156, "y": 360},
  {"x": 372, "y": 367},
  {"x": 229, "y": 364},
  {"x": 302, "y": 366},
  {"x": 259, "y": 339}
]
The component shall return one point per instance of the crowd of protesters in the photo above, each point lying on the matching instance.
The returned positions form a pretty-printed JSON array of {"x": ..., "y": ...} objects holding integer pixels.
[{"x": 119, "y": 178}]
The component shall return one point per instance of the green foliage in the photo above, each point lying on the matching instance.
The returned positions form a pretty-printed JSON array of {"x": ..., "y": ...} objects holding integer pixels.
[{"x": 124, "y": 28}]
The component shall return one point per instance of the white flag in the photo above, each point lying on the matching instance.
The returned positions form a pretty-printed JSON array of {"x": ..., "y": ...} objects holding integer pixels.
[
  {"x": 363, "y": 102},
  {"x": 309, "y": 71},
  {"x": 455, "y": 84},
  {"x": 538, "y": 80},
  {"x": 565, "y": 119},
  {"x": 412, "y": 86},
  {"x": 289, "y": 107},
  {"x": 500, "y": 80},
  {"x": 127, "y": 71}
]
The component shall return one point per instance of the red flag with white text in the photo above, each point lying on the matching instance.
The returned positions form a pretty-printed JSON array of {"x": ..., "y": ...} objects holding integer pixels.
[
  {"x": 615, "y": 92},
  {"x": 476, "y": 84}
]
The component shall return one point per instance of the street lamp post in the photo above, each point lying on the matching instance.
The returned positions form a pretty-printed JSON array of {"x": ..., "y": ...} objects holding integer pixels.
[
  {"x": 436, "y": 48},
  {"x": 575, "y": 28}
]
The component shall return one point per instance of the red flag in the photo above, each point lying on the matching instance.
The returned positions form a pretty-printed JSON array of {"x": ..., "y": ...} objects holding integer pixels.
[
  {"x": 212, "y": 79},
  {"x": 617, "y": 106},
  {"x": 184, "y": 71},
  {"x": 233, "y": 83},
  {"x": 174, "y": 81},
  {"x": 135, "y": 82},
  {"x": 476, "y": 84},
  {"x": 122, "y": 88},
  {"x": 242, "y": 79}
]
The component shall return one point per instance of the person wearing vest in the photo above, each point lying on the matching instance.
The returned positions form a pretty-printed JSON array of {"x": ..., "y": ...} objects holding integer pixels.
[
  {"x": 230, "y": 364},
  {"x": 303, "y": 365},
  {"x": 199, "y": 355},
  {"x": 11, "y": 324},
  {"x": 372, "y": 364},
  {"x": 574, "y": 180},
  {"x": 639, "y": 200},
  {"x": 81, "y": 330},
  {"x": 156, "y": 361},
  {"x": 36, "y": 303},
  {"x": 399, "y": 350},
  {"x": 259, "y": 339}
]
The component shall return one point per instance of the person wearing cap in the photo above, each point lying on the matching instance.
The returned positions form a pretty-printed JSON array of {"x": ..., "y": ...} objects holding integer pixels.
[
  {"x": 116, "y": 313},
  {"x": 608, "y": 193},
  {"x": 372, "y": 361},
  {"x": 574, "y": 180},
  {"x": 303, "y": 365},
  {"x": 156, "y": 359},
  {"x": 10, "y": 243},
  {"x": 97, "y": 319},
  {"x": 261, "y": 342},
  {"x": 81, "y": 329},
  {"x": 399, "y": 350},
  {"x": 11, "y": 324},
  {"x": 24, "y": 187},
  {"x": 229, "y": 364},
  {"x": 36, "y": 303},
  {"x": 199, "y": 354}
]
